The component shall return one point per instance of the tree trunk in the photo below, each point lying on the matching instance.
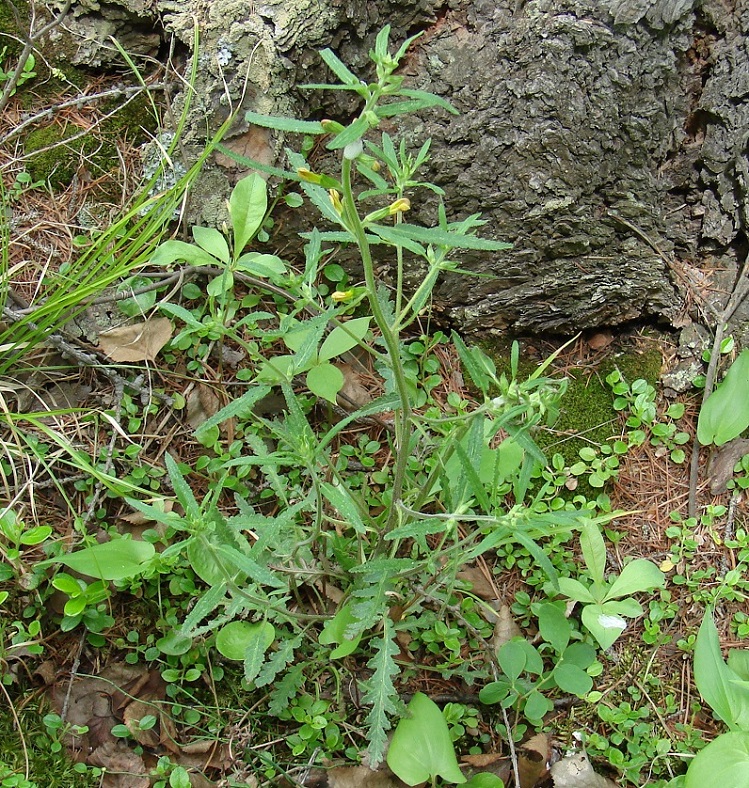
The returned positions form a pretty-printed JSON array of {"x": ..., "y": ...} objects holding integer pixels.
[{"x": 606, "y": 139}]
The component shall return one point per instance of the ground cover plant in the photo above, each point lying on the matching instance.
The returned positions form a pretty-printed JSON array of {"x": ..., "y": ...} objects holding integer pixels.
[{"x": 302, "y": 524}]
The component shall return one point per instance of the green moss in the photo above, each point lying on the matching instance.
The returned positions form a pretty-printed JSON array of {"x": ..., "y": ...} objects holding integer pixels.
[
  {"x": 9, "y": 30},
  {"x": 49, "y": 766},
  {"x": 99, "y": 148}
]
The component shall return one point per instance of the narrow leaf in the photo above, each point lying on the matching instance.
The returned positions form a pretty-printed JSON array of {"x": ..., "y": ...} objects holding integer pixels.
[{"x": 290, "y": 125}]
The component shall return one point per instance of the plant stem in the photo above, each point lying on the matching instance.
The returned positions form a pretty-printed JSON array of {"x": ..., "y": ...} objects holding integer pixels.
[{"x": 390, "y": 337}]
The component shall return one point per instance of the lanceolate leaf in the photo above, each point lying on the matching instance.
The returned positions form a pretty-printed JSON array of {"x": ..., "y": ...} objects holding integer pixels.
[
  {"x": 115, "y": 560},
  {"x": 724, "y": 762},
  {"x": 284, "y": 124},
  {"x": 247, "y": 205},
  {"x": 725, "y": 413},
  {"x": 639, "y": 575}
]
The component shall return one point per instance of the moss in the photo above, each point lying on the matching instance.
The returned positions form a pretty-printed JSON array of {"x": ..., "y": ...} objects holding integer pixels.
[
  {"x": 9, "y": 31},
  {"x": 99, "y": 148},
  {"x": 48, "y": 766}
]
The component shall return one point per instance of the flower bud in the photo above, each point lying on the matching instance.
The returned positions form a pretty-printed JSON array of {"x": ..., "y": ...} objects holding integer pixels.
[
  {"x": 308, "y": 175},
  {"x": 399, "y": 206},
  {"x": 335, "y": 198}
]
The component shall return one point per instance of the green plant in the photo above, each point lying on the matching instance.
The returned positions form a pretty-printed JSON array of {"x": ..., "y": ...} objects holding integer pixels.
[
  {"x": 607, "y": 603},
  {"x": 525, "y": 674},
  {"x": 724, "y": 686},
  {"x": 26, "y": 74},
  {"x": 725, "y": 413}
]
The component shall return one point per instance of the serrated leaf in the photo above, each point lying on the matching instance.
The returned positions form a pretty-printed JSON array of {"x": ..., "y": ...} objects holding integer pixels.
[
  {"x": 241, "y": 406},
  {"x": 381, "y": 693},
  {"x": 421, "y": 748}
]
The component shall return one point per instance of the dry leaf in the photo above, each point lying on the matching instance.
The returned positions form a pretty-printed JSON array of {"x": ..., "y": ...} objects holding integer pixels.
[
  {"x": 720, "y": 467},
  {"x": 124, "y": 769},
  {"x": 600, "y": 340},
  {"x": 361, "y": 777},
  {"x": 133, "y": 714},
  {"x": 505, "y": 629},
  {"x": 252, "y": 144},
  {"x": 480, "y": 585},
  {"x": 354, "y": 393},
  {"x": 575, "y": 771},
  {"x": 136, "y": 342},
  {"x": 482, "y": 760},
  {"x": 533, "y": 760},
  {"x": 202, "y": 403}
]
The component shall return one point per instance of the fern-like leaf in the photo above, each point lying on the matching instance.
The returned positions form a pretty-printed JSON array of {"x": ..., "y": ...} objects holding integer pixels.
[{"x": 380, "y": 692}]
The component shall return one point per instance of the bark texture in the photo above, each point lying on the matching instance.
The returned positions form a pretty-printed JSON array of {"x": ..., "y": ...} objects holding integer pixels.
[{"x": 606, "y": 139}]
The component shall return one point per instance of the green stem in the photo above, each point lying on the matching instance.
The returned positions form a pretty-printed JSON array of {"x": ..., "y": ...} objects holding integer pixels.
[{"x": 390, "y": 337}]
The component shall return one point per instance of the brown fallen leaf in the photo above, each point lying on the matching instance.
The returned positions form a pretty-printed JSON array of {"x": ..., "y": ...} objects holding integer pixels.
[
  {"x": 123, "y": 767},
  {"x": 533, "y": 760},
  {"x": 202, "y": 403},
  {"x": 137, "y": 341},
  {"x": 720, "y": 467},
  {"x": 362, "y": 777},
  {"x": 576, "y": 771},
  {"x": 480, "y": 585},
  {"x": 354, "y": 393},
  {"x": 505, "y": 629}
]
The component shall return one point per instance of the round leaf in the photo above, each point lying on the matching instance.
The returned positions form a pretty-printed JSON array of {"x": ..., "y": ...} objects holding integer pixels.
[
  {"x": 325, "y": 381},
  {"x": 570, "y": 678},
  {"x": 421, "y": 748},
  {"x": 236, "y": 638}
]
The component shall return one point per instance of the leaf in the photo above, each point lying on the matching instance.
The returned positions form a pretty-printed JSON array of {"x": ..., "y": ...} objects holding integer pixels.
[
  {"x": 115, "y": 560},
  {"x": 604, "y": 622},
  {"x": 715, "y": 681},
  {"x": 344, "y": 337},
  {"x": 725, "y": 413},
  {"x": 291, "y": 125},
  {"x": 334, "y": 632},
  {"x": 248, "y": 205},
  {"x": 339, "y": 68},
  {"x": 351, "y": 133},
  {"x": 575, "y": 590},
  {"x": 594, "y": 550},
  {"x": 421, "y": 748},
  {"x": 262, "y": 265},
  {"x": 210, "y": 240},
  {"x": 438, "y": 237},
  {"x": 554, "y": 626},
  {"x": 724, "y": 762},
  {"x": 242, "y": 641},
  {"x": 381, "y": 692},
  {"x": 638, "y": 575},
  {"x": 242, "y": 406},
  {"x": 171, "y": 251},
  {"x": 137, "y": 341},
  {"x": 570, "y": 678},
  {"x": 325, "y": 381},
  {"x": 512, "y": 659}
]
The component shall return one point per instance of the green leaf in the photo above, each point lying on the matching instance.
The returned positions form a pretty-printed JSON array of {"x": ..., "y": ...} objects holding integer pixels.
[
  {"x": 325, "y": 381},
  {"x": 344, "y": 337},
  {"x": 485, "y": 780},
  {"x": 716, "y": 681},
  {"x": 570, "y": 678},
  {"x": 235, "y": 639},
  {"x": 35, "y": 535},
  {"x": 554, "y": 626},
  {"x": 638, "y": 575},
  {"x": 604, "y": 622},
  {"x": 334, "y": 631},
  {"x": 350, "y": 134},
  {"x": 725, "y": 413},
  {"x": 575, "y": 590},
  {"x": 290, "y": 125},
  {"x": 248, "y": 205},
  {"x": 512, "y": 659},
  {"x": 117, "y": 559},
  {"x": 738, "y": 662},
  {"x": 174, "y": 643},
  {"x": 537, "y": 706},
  {"x": 380, "y": 692},
  {"x": 210, "y": 240},
  {"x": 182, "y": 489},
  {"x": 446, "y": 238},
  {"x": 724, "y": 762},
  {"x": 171, "y": 251},
  {"x": 242, "y": 406},
  {"x": 421, "y": 748},
  {"x": 336, "y": 65},
  {"x": 594, "y": 550}
]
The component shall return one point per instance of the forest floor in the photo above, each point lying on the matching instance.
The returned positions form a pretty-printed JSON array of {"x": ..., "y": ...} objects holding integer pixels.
[{"x": 95, "y": 697}]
